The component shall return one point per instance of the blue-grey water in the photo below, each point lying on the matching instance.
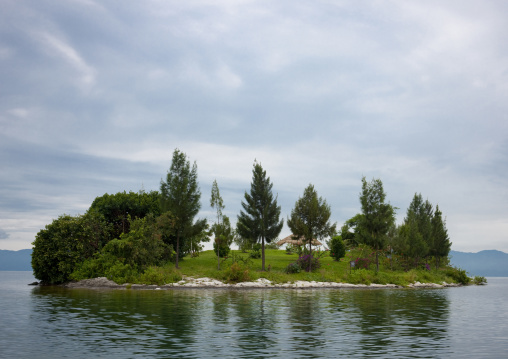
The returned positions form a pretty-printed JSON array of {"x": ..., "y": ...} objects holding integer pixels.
[{"x": 53, "y": 322}]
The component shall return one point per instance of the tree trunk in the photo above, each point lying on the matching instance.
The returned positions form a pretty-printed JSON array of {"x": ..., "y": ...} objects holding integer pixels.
[
  {"x": 177, "y": 249},
  {"x": 218, "y": 257},
  {"x": 310, "y": 253},
  {"x": 377, "y": 260},
  {"x": 262, "y": 254}
]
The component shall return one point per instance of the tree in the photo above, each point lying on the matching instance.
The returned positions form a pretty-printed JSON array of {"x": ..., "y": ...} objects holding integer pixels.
[
  {"x": 180, "y": 195},
  {"x": 347, "y": 236},
  {"x": 224, "y": 236},
  {"x": 217, "y": 203},
  {"x": 440, "y": 241},
  {"x": 143, "y": 245},
  {"x": 310, "y": 218},
  {"x": 337, "y": 248},
  {"x": 377, "y": 216},
  {"x": 259, "y": 220},
  {"x": 417, "y": 228},
  {"x": 64, "y": 244},
  {"x": 117, "y": 208}
]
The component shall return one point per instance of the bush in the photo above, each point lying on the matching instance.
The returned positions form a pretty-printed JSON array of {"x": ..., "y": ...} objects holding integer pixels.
[
  {"x": 362, "y": 263},
  {"x": 223, "y": 248},
  {"x": 361, "y": 276},
  {"x": 337, "y": 248},
  {"x": 271, "y": 245},
  {"x": 308, "y": 263},
  {"x": 293, "y": 268},
  {"x": 479, "y": 280},
  {"x": 459, "y": 275},
  {"x": 290, "y": 249},
  {"x": 237, "y": 273},
  {"x": 256, "y": 251},
  {"x": 159, "y": 276},
  {"x": 121, "y": 273}
]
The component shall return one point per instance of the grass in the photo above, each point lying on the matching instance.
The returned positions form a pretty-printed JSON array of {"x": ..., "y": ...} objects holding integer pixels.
[{"x": 205, "y": 265}]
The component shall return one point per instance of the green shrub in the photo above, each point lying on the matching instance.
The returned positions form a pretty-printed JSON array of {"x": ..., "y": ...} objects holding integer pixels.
[
  {"x": 479, "y": 280},
  {"x": 337, "y": 248},
  {"x": 271, "y": 245},
  {"x": 237, "y": 273},
  {"x": 293, "y": 268},
  {"x": 256, "y": 251},
  {"x": 159, "y": 275},
  {"x": 121, "y": 273},
  {"x": 361, "y": 276},
  {"x": 459, "y": 275}
]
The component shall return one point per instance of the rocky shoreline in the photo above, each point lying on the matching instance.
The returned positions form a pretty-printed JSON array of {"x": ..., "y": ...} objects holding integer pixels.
[{"x": 190, "y": 282}]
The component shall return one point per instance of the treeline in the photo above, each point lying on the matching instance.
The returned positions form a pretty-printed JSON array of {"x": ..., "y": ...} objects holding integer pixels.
[
  {"x": 126, "y": 235},
  {"x": 421, "y": 237}
]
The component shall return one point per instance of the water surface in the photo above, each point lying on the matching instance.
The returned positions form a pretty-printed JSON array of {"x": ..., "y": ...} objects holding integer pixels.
[{"x": 51, "y": 322}]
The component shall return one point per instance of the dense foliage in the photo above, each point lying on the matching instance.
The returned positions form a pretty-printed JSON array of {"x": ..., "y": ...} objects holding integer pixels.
[
  {"x": 337, "y": 248},
  {"x": 118, "y": 208},
  {"x": 65, "y": 243}
]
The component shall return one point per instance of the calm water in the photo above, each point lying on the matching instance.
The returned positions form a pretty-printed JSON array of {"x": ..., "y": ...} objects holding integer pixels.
[{"x": 42, "y": 322}]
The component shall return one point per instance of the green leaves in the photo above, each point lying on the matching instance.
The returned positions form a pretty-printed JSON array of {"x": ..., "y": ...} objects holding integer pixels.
[
  {"x": 310, "y": 217},
  {"x": 180, "y": 195},
  {"x": 377, "y": 216},
  {"x": 259, "y": 220}
]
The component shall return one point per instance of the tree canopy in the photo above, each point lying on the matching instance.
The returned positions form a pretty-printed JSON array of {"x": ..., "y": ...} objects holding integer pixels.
[
  {"x": 259, "y": 219},
  {"x": 310, "y": 217},
  {"x": 180, "y": 195},
  {"x": 377, "y": 216}
]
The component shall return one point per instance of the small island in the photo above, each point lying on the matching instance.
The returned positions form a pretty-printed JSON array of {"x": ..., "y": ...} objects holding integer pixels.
[{"x": 139, "y": 239}]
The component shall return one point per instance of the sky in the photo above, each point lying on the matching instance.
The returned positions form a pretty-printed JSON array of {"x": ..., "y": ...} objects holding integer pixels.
[{"x": 96, "y": 95}]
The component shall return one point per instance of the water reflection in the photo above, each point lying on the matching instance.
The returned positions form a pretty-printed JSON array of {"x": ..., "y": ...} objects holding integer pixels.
[{"x": 241, "y": 323}]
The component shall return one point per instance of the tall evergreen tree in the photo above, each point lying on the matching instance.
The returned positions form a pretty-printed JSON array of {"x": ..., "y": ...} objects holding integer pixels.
[
  {"x": 180, "y": 195},
  {"x": 377, "y": 216},
  {"x": 310, "y": 217},
  {"x": 441, "y": 242},
  {"x": 418, "y": 231},
  {"x": 259, "y": 220}
]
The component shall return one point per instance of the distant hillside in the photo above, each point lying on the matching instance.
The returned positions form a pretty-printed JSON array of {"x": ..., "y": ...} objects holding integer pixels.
[
  {"x": 16, "y": 260},
  {"x": 489, "y": 263}
]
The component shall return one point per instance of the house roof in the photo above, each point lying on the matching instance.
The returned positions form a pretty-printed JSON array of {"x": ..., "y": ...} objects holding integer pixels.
[{"x": 298, "y": 241}]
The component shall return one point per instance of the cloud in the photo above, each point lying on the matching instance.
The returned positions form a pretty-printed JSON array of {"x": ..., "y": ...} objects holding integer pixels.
[
  {"x": 97, "y": 97},
  {"x": 3, "y": 234}
]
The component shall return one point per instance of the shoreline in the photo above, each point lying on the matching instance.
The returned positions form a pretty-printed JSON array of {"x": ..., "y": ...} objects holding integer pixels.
[{"x": 209, "y": 283}]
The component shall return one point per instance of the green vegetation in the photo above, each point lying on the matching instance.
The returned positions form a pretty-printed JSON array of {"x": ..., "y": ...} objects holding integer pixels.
[
  {"x": 377, "y": 216},
  {"x": 238, "y": 267},
  {"x": 310, "y": 219},
  {"x": 153, "y": 238},
  {"x": 181, "y": 196},
  {"x": 259, "y": 220},
  {"x": 337, "y": 248}
]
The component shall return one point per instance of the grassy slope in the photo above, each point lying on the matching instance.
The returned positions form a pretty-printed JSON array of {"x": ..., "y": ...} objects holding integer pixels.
[{"x": 331, "y": 271}]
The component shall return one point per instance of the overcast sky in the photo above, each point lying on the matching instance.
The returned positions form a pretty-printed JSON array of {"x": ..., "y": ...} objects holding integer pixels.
[{"x": 96, "y": 95}]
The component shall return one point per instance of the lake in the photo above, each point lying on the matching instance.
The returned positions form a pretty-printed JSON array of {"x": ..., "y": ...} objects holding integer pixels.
[{"x": 53, "y": 322}]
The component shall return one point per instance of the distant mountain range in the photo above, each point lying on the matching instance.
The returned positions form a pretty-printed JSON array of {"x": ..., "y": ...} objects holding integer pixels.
[
  {"x": 489, "y": 263},
  {"x": 16, "y": 260}
]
